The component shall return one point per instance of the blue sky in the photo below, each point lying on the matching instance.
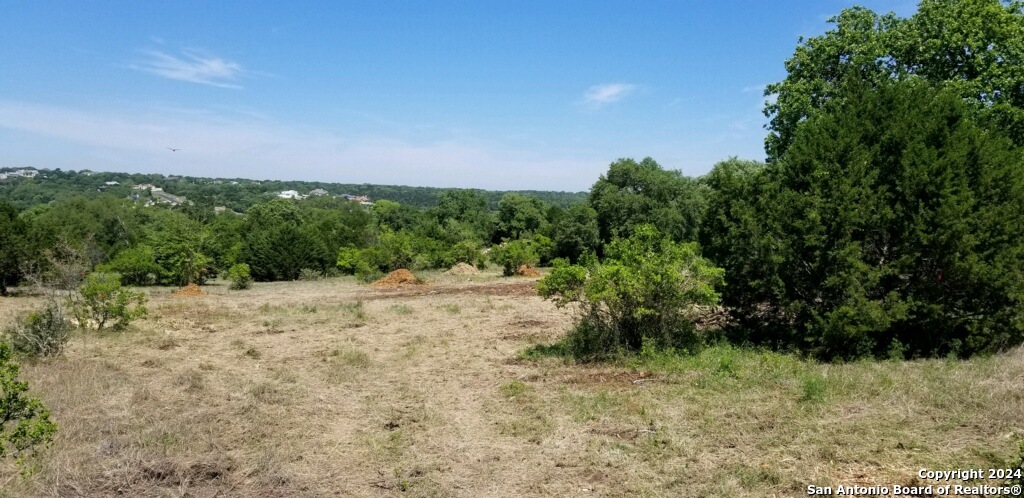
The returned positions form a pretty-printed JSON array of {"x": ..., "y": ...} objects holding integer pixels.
[{"x": 497, "y": 95}]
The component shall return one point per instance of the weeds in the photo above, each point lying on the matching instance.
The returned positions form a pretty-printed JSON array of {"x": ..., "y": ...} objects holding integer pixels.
[{"x": 400, "y": 309}]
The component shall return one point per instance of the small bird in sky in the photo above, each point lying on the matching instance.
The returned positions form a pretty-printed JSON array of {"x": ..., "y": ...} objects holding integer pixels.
[{"x": 173, "y": 150}]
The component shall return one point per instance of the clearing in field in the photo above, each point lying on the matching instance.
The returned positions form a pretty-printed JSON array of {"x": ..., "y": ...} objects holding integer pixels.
[{"x": 333, "y": 388}]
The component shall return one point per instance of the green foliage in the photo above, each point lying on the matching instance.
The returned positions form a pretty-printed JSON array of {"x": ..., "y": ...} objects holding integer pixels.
[
  {"x": 467, "y": 207},
  {"x": 102, "y": 301},
  {"x": 276, "y": 246},
  {"x": 893, "y": 218},
  {"x": 576, "y": 232},
  {"x": 136, "y": 265},
  {"x": 467, "y": 251},
  {"x": 239, "y": 277},
  {"x": 544, "y": 247},
  {"x": 13, "y": 246},
  {"x": 1016, "y": 463},
  {"x": 24, "y": 421},
  {"x": 512, "y": 255},
  {"x": 633, "y": 194},
  {"x": 972, "y": 47},
  {"x": 40, "y": 333},
  {"x": 519, "y": 216},
  {"x": 179, "y": 249},
  {"x": 648, "y": 289},
  {"x": 310, "y": 275}
]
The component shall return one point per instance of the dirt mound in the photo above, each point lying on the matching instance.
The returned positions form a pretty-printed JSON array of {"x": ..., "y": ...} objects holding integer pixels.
[
  {"x": 190, "y": 290},
  {"x": 463, "y": 269},
  {"x": 400, "y": 276},
  {"x": 527, "y": 271}
]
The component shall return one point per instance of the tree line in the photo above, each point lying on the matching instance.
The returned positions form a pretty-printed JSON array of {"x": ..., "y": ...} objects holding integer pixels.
[{"x": 236, "y": 194}]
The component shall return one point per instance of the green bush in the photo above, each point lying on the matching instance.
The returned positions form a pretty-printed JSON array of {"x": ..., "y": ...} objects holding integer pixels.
[
  {"x": 309, "y": 274},
  {"x": 647, "y": 290},
  {"x": 24, "y": 422},
  {"x": 40, "y": 333},
  {"x": 544, "y": 247},
  {"x": 101, "y": 301},
  {"x": 466, "y": 251},
  {"x": 239, "y": 277},
  {"x": 512, "y": 255},
  {"x": 136, "y": 265}
]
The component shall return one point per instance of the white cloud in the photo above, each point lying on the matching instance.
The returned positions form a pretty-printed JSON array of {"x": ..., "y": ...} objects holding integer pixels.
[
  {"x": 600, "y": 95},
  {"x": 192, "y": 66}
]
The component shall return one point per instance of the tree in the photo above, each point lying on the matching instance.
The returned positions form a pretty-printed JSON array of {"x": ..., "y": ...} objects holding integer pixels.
[
  {"x": 892, "y": 224},
  {"x": 975, "y": 47},
  {"x": 519, "y": 216},
  {"x": 275, "y": 246},
  {"x": 647, "y": 289},
  {"x": 465, "y": 206},
  {"x": 12, "y": 246},
  {"x": 576, "y": 233},
  {"x": 633, "y": 194}
]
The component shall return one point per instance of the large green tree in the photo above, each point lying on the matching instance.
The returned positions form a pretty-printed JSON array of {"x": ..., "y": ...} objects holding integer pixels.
[
  {"x": 519, "y": 216},
  {"x": 893, "y": 224},
  {"x": 633, "y": 194},
  {"x": 975, "y": 47},
  {"x": 12, "y": 246}
]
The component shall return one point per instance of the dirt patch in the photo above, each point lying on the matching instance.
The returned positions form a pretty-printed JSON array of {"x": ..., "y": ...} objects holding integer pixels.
[
  {"x": 512, "y": 288},
  {"x": 190, "y": 290},
  {"x": 527, "y": 271},
  {"x": 462, "y": 269},
  {"x": 398, "y": 277}
]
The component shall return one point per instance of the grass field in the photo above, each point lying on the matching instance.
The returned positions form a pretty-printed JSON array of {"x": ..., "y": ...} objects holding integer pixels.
[{"x": 334, "y": 388}]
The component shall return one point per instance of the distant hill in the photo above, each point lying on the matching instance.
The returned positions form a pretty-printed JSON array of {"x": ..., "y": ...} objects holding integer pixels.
[{"x": 237, "y": 194}]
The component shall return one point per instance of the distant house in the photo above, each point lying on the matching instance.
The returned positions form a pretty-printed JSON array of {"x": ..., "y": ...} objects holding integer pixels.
[
  {"x": 219, "y": 209},
  {"x": 356, "y": 198},
  {"x": 290, "y": 194},
  {"x": 111, "y": 184},
  {"x": 26, "y": 173},
  {"x": 317, "y": 192},
  {"x": 145, "y": 186},
  {"x": 4, "y": 176}
]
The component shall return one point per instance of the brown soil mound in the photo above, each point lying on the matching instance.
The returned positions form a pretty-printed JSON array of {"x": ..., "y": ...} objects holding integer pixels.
[
  {"x": 527, "y": 271},
  {"x": 463, "y": 269},
  {"x": 398, "y": 277},
  {"x": 190, "y": 290}
]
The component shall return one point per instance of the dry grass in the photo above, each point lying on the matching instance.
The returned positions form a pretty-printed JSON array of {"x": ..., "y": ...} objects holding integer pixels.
[{"x": 327, "y": 388}]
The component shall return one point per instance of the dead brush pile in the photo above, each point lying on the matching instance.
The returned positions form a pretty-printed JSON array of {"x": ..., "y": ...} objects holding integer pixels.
[
  {"x": 398, "y": 277},
  {"x": 462, "y": 269},
  {"x": 190, "y": 290},
  {"x": 527, "y": 271}
]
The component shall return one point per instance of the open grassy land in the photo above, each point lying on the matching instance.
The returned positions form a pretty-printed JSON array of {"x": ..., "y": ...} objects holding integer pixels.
[{"x": 335, "y": 388}]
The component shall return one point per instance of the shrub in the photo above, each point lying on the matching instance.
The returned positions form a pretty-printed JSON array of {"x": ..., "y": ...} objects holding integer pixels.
[
  {"x": 466, "y": 251},
  {"x": 40, "y": 333},
  {"x": 24, "y": 422},
  {"x": 310, "y": 274},
  {"x": 239, "y": 277},
  {"x": 102, "y": 301},
  {"x": 647, "y": 290},
  {"x": 512, "y": 255},
  {"x": 136, "y": 265},
  {"x": 544, "y": 247}
]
